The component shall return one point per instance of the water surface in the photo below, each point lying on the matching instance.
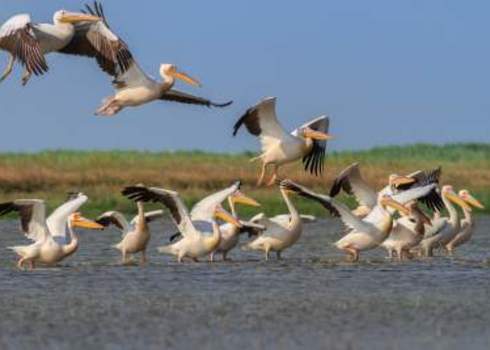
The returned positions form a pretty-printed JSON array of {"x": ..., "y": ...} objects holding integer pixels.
[{"x": 311, "y": 299}]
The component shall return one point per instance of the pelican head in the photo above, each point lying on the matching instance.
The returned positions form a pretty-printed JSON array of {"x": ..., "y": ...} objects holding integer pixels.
[
  {"x": 387, "y": 201},
  {"x": 468, "y": 198},
  {"x": 67, "y": 17},
  {"x": 309, "y": 133},
  {"x": 169, "y": 71},
  {"x": 239, "y": 198},
  {"x": 396, "y": 180},
  {"x": 77, "y": 220},
  {"x": 222, "y": 214},
  {"x": 447, "y": 191}
]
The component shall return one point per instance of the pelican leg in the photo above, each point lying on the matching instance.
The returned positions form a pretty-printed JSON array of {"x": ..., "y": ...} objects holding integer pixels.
[
  {"x": 180, "y": 258},
  {"x": 390, "y": 253},
  {"x": 353, "y": 254},
  {"x": 109, "y": 107},
  {"x": 20, "y": 264},
  {"x": 31, "y": 265},
  {"x": 278, "y": 255},
  {"x": 267, "y": 250},
  {"x": 8, "y": 69},
  {"x": 273, "y": 179},
  {"x": 124, "y": 259},
  {"x": 211, "y": 257},
  {"x": 143, "y": 258},
  {"x": 399, "y": 254},
  {"x": 25, "y": 77},
  {"x": 262, "y": 174}
]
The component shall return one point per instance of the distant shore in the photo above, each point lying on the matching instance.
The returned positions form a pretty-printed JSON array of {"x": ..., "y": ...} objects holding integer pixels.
[{"x": 101, "y": 175}]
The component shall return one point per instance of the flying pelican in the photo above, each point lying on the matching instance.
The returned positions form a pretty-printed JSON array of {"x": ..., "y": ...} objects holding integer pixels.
[
  {"x": 444, "y": 229},
  {"x": 279, "y": 234},
  {"x": 51, "y": 243},
  {"x": 75, "y": 33},
  {"x": 201, "y": 236},
  {"x": 308, "y": 142},
  {"x": 370, "y": 232},
  {"x": 467, "y": 224},
  {"x": 135, "y": 235},
  {"x": 407, "y": 232},
  {"x": 352, "y": 182}
]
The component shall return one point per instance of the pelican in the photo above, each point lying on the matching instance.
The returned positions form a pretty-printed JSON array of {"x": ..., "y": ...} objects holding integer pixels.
[
  {"x": 444, "y": 229},
  {"x": 370, "y": 232},
  {"x": 351, "y": 181},
  {"x": 407, "y": 232},
  {"x": 135, "y": 235},
  {"x": 51, "y": 242},
  {"x": 279, "y": 234},
  {"x": 200, "y": 236},
  {"x": 308, "y": 142},
  {"x": 83, "y": 33},
  {"x": 467, "y": 224},
  {"x": 229, "y": 232}
]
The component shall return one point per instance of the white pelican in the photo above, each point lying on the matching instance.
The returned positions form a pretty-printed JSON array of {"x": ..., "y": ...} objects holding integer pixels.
[
  {"x": 407, "y": 232},
  {"x": 351, "y": 181},
  {"x": 74, "y": 33},
  {"x": 370, "y": 232},
  {"x": 308, "y": 142},
  {"x": 200, "y": 236},
  {"x": 229, "y": 232},
  {"x": 135, "y": 235},
  {"x": 444, "y": 229},
  {"x": 51, "y": 242},
  {"x": 467, "y": 224},
  {"x": 279, "y": 234}
]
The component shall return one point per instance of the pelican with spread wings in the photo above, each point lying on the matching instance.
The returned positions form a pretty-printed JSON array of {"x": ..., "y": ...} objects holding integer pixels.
[
  {"x": 308, "y": 142},
  {"x": 84, "y": 33},
  {"x": 51, "y": 243}
]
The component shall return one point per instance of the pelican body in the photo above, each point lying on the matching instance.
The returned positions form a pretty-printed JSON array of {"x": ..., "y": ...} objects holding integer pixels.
[
  {"x": 278, "y": 234},
  {"x": 51, "y": 241},
  {"x": 308, "y": 142},
  {"x": 135, "y": 234}
]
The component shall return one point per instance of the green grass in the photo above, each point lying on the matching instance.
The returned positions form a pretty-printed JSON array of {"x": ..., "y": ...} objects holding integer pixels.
[{"x": 102, "y": 174}]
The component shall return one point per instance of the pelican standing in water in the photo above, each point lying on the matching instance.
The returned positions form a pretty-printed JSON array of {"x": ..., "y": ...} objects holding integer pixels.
[
  {"x": 407, "y": 232},
  {"x": 370, "y": 232},
  {"x": 444, "y": 229},
  {"x": 51, "y": 242},
  {"x": 352, "y": 182},
  {"x": 308, "y": 142},
  {"x": 467, "y": 224},
  {"x": 200, "y": 236},
  {"x": 278, "y": 234},
  {"x": 135, "y": 234},
  {"x": 75, "y": 33}
]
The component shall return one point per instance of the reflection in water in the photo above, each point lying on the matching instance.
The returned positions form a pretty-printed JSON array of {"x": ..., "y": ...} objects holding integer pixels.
[{"x": 311, "y": 299}]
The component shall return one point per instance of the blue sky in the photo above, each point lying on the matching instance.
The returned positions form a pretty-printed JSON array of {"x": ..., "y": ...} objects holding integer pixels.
[{"x": 387, "y": 72}]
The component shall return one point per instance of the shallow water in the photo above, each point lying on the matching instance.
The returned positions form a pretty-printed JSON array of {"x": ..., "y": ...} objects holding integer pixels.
[{"x": 311, "y": 299}]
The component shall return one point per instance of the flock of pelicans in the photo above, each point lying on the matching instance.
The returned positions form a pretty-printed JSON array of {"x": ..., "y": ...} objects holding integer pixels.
[{"x": 391, "y": 218}]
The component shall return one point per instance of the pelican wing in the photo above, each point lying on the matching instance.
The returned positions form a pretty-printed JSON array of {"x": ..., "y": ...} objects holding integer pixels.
[
  {"x": 307, "y": 193},
  {"x": 170, "y": 199},
  {"x": 252, "y": 228},
  {"x": 352, "y": 182},
  {"x": 114, "y": 218},
  {"x": 204, "y": 209},
  {"x": 261, "y": 121},
  {"x": 149, "y": 216},
  {"x": 19, "y": 39},
  {"x": 182, "y": 97},
  {"x": 58, "y": 220},
  {"x": 314, "y": 160},
  {"x": 433, "y": 199},
  {"x": 32, "y": 214},
  {"x": 97, "y": 40}
]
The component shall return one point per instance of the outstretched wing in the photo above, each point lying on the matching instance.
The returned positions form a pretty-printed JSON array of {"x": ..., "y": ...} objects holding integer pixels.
[
  {"x": 261, "y": 121},
  {"x": 182, "y": 97},
  {"x": 351, "y": 181},
  {"x": 114, "y": 218},
  {"x": 58, "y": 220},
  {"x": 170, "y": 200},
  {"x": 32, "y": 214},
  {"x": 97, "y": 40},
  {"x": 314, "y": 161},
  {"x": 433, "y": 199},
  {"x": 149, "y": 216},
  {"x": 18, "y": 38}
]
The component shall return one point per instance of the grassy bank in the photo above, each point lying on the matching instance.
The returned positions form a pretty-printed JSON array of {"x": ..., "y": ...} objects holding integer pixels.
[{"x": 101, "y": 175}]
